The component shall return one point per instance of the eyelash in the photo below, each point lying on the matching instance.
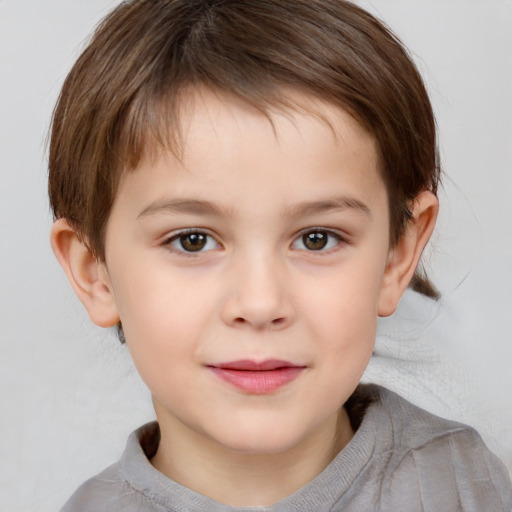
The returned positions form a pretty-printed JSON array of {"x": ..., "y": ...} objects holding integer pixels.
[
  {"x": 332, "y": 241},
  {"x": 180, "y": 236},
  {"x": 330, "y": 237}
]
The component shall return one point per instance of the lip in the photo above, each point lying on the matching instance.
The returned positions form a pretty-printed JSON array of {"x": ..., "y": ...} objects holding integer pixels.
[{"x": 257, "y": 377}]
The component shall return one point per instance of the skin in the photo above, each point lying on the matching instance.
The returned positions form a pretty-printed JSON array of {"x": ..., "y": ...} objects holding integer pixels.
[{"x": 255, "y": 291}]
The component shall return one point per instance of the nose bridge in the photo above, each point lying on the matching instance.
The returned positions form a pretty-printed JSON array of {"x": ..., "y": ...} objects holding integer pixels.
[{"x": 258, "y": 295}]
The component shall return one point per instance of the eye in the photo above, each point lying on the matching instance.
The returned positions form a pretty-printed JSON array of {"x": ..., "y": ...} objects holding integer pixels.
[
  {"x": 317, "y": 240},
  {"x": 192, "y": 241}
]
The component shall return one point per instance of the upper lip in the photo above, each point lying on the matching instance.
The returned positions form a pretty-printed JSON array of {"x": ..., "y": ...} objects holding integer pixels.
[{"x": 250, "y": 365}]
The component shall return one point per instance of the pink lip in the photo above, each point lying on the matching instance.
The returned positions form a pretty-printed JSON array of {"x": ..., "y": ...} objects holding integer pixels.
[{"x": 257, "y": 378}]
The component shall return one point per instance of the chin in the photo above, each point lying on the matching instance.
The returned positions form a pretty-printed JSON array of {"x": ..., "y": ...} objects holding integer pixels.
[{"x": 265, "y": 439}]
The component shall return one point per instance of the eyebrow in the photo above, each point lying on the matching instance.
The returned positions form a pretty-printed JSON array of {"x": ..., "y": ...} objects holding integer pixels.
[
  {"x": 324, "y": 206},
  {"x": 197, "y": 207},
  {"x": 187, "y": 206}
]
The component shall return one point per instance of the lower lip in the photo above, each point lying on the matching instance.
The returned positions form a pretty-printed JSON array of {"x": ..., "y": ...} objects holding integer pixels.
[{"x": 259, "y": 382}]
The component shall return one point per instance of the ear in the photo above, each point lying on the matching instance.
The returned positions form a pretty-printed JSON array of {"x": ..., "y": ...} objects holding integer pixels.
[
  {"x": 88, "y": 276},
  {"x": 404, "y": 257}
]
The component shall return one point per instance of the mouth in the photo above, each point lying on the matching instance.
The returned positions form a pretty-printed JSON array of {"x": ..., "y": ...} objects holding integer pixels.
[{"x": 257, "y": 377}]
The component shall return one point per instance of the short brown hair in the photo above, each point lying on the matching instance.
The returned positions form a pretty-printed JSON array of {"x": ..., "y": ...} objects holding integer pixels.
[{"x": 121, "y": 98}]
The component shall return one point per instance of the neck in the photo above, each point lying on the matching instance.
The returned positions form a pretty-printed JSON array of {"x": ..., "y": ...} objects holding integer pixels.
[{"x": 246, "y": 479}]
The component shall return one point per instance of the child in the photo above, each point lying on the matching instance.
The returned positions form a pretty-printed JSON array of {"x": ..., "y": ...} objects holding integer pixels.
[{"x": 242, "y": 188}]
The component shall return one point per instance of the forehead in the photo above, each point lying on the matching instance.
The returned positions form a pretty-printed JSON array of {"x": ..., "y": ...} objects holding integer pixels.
[
  {"x": 172, "y": 122},
  {"x": 223, "y": 116},
  {"x": 229, "y": 146}
]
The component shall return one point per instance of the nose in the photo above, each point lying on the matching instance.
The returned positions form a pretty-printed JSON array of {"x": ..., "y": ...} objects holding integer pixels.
[{"x": 258, "y": 295}]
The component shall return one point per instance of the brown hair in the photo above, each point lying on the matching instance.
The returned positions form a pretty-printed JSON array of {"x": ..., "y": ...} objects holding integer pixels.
[{"x": 121, "y": 98}]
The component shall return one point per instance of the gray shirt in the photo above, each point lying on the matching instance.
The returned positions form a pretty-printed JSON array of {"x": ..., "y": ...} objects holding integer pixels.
[{"x": 401, "y": 458}]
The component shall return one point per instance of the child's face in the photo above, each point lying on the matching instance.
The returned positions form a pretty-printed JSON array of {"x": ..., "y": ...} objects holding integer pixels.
[{"x": 266, "y": 244}]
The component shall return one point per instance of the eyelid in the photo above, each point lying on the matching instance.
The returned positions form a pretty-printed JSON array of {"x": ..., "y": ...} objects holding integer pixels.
[
  {"x": 341, "y": 239},
  {"x": 176, "y": 235}
]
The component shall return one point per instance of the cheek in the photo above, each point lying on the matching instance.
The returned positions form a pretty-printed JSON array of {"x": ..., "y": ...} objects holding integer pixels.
[
  {"x": 346, "y": 296},
  {"x": 167, "y": 315},
  {"x": 161, "y": 318},
  {"x": 343, "y": 313},
  {"x": 156, "y": 297},
  {"x": 348, "y": 341},
  {"x": 347, "y": 347}
]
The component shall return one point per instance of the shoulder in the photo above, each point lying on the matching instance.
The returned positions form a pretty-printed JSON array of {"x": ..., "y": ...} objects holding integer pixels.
[
  {"x": 113, "y": 490},
  {"x": 91, "y": 495},
  {"x": 108, "y": 492},
  {"x": 443, "y": 461}
]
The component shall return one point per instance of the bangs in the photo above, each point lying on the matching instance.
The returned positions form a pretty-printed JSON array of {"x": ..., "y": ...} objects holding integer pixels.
[{"x": 126, "y": 96}]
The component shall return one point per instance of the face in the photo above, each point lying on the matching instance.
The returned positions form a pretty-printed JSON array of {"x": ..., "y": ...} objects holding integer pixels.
[{"x": 247, "y": 275}]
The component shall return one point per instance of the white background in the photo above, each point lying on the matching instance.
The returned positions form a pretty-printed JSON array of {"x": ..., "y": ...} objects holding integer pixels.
[{"x": 68, "y": 394}]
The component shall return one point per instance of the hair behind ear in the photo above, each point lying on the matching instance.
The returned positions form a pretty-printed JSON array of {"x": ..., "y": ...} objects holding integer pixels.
[{"x": 422, "y": 284}]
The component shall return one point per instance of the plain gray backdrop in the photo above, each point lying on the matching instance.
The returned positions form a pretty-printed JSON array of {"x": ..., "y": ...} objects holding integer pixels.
[{"x": 69, "y": 395}]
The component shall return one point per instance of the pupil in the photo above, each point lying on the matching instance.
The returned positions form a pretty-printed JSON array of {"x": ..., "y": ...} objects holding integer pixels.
[
  {"x": 315, "y": 241},
  {"x": 193, "y": 242}
]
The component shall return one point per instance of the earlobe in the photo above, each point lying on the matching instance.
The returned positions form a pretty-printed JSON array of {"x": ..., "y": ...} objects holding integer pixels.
[
  {"x": 405, "y": 256},
  {"x": 88, "y": 276}
]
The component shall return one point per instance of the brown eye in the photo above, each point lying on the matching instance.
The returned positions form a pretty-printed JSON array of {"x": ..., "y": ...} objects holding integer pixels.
[
  {"x": 315, "y": 241},
  {"x": 319, "y": 240},
  {"x": 195, "y": 241}
]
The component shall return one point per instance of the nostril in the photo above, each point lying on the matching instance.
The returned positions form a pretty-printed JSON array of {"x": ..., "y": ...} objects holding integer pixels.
[{"x": 277, "y": 322}]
